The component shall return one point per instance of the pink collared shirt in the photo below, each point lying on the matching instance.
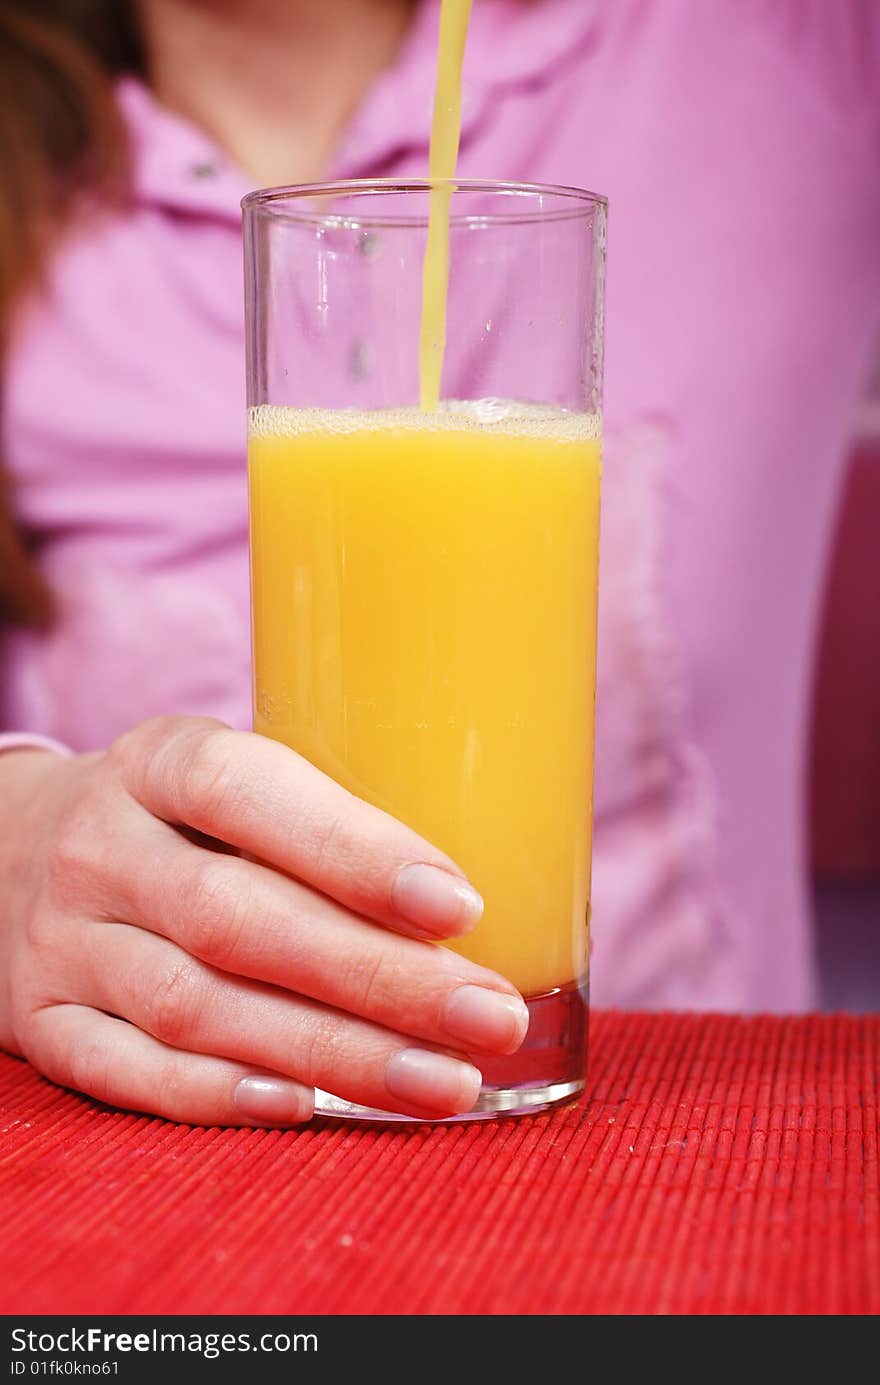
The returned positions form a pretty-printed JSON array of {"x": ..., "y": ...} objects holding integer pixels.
[{"x": 738, "y": 142}]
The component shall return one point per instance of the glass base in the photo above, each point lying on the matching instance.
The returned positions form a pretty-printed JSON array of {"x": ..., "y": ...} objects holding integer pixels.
[{"x": 549, "y": 1069}]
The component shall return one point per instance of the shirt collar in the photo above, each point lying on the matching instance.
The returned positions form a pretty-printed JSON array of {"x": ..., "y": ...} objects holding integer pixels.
[{"x": 511, "y": 43}]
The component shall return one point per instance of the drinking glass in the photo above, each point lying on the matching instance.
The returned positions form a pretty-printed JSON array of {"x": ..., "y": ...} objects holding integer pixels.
[{"x": 424, "y": 583}]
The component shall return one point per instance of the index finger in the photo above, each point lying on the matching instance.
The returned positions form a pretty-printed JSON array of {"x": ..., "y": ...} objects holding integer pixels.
[{"x": 267, "y": 800}]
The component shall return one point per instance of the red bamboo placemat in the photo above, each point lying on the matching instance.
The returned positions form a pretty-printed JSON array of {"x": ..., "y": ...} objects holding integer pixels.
[{"x": 719, "y": 1165}]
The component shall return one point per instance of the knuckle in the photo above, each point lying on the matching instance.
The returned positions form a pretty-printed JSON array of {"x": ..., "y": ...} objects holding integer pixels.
[
  {"x": 27, "y": 1015},
  {"x": 327, "y": 841},
  {"x": 172, "y": 1084},
  {"x": 75, "y": 855},
  {"x": 41, "y": 930},
  {"x": 174, "y": 1002},
  {"x": 133, "y": 750},
  {"x": 123, "y": 751},
  {"x": 375, "y": 983},
  {"x": 353, "y": 843},
  {"x": 343, "y": 849},
  {"x": 317, "y": 1054},
  {"x": 208, "y": 786},
  {"x": 217, "y": 907},
  {"x": 149, "y": 752},
  {"x": 89, "y": 1061}
]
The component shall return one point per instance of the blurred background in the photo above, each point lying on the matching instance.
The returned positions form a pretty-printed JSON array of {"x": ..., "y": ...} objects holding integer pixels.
[
  {"x": 845, "y": 770},
  {"x": 843, "y": 785}
]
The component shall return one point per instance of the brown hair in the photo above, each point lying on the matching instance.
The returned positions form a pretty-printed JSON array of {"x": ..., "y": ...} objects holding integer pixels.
[{"x": 59, "y": 133}]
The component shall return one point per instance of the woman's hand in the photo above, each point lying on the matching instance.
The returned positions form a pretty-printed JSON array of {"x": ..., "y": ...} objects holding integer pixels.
[{"x": 144, "y": 964}]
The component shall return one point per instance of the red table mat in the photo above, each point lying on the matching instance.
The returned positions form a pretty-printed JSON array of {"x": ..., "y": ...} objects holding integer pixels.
[{"x": 719, "y": 1165}]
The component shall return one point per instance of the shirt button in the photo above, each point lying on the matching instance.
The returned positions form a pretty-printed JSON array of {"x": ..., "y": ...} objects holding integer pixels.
[
  {"x": 203, "y": 170},
  {"x": 370, "y": 244},
  {"x": 360, "y": 360}
]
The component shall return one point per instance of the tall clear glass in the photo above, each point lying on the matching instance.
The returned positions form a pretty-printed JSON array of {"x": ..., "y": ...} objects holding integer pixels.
[{"x": 424, "y": 584}]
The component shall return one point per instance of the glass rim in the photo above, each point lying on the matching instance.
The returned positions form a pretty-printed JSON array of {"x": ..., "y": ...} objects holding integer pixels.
[{"x": 283, "y": 202}]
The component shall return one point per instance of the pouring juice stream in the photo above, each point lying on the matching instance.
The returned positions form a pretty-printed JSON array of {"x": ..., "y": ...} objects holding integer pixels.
[{"x": 445, "y": 135}]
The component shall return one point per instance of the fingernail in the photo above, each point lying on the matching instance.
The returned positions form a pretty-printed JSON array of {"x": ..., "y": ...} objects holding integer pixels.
[
  {"x": 436, "y": 901},
  {"x": 485, "y": 1019},
  {"x": 273, "y": 1101},
  {"x": 432, "y": 1080}
]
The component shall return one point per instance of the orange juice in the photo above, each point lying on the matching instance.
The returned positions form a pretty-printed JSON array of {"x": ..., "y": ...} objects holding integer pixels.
[{"x": 424, "y": 598}]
